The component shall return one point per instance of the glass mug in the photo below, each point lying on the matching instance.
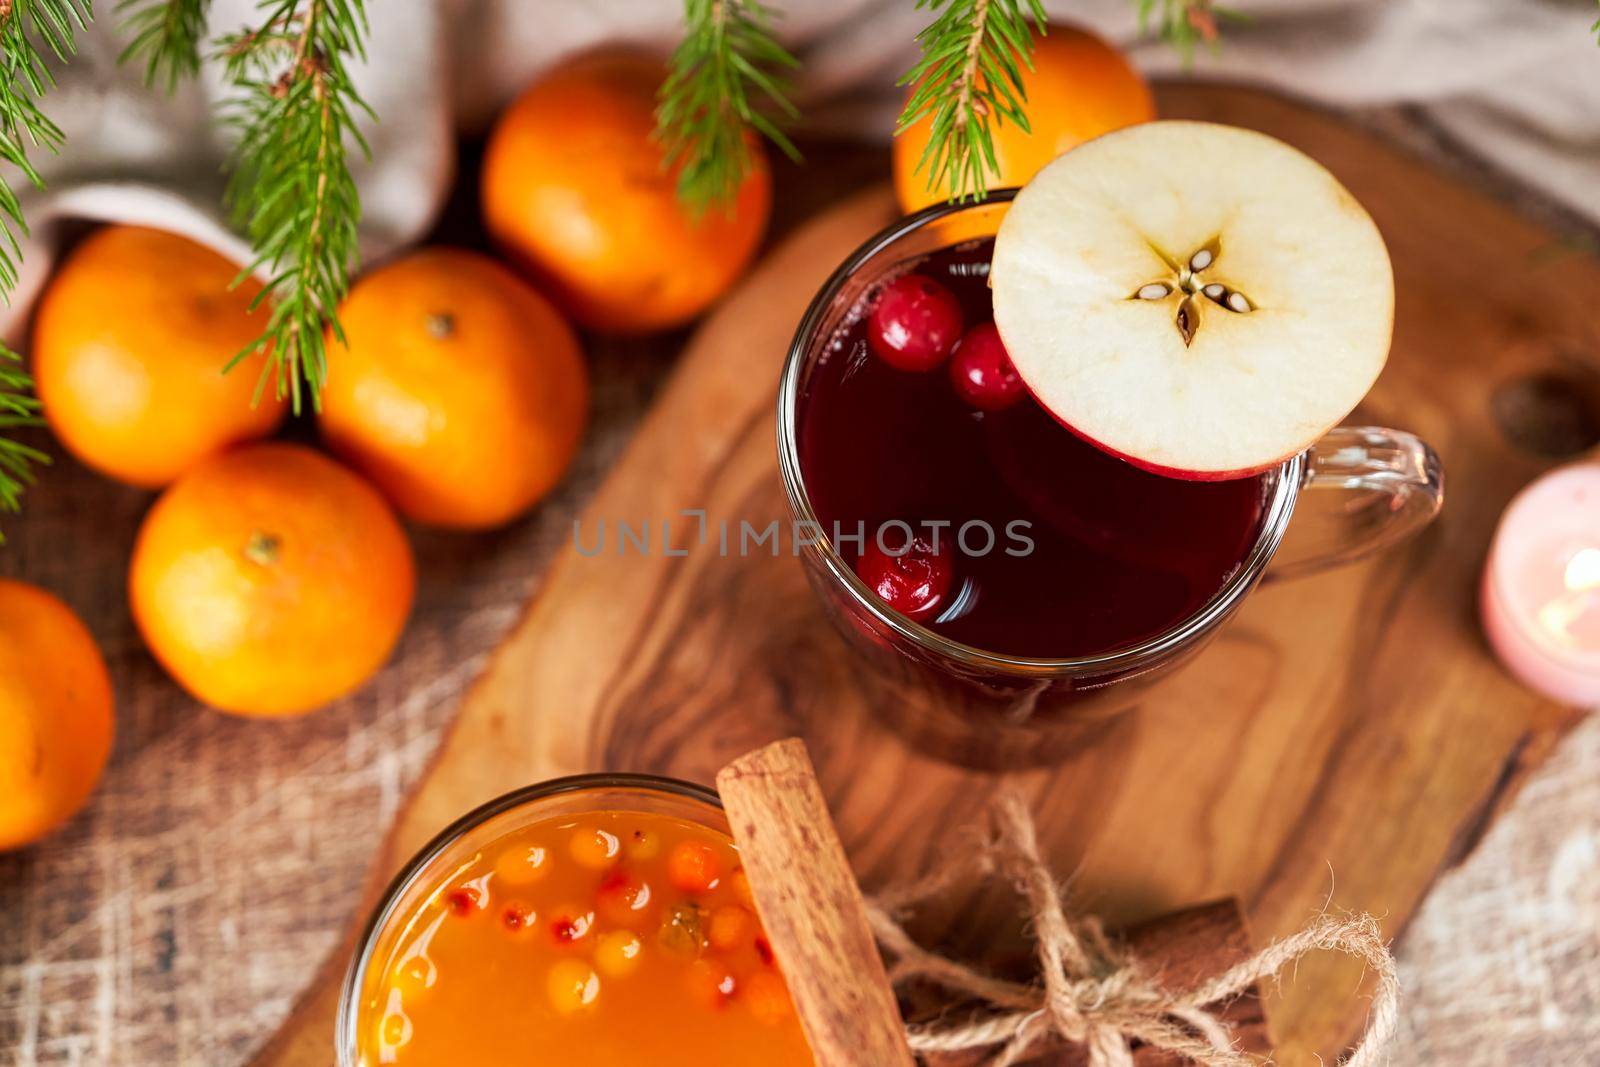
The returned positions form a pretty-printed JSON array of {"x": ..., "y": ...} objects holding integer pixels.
[
  {"x": 991, "y": 710},
  {"x": 366, "y": 1002}
]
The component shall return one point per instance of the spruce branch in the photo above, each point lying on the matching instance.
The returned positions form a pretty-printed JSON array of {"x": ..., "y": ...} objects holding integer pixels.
[
  {"x": 31, "y": 31},
  {"x": 726, "y": 77},
  {"x": 969, "y": 77},
  {"x": 167, "y": 35},
  {"x": 18, "y": 408},
  {"x": 291, "y": 188},
  {"x": 1185, "y": 24}
]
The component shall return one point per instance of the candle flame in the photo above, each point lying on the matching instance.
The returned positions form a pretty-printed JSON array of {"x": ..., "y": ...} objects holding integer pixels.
[
  {"x": 1583, "y": 571},
  {"x": 1560, "y": 616}
]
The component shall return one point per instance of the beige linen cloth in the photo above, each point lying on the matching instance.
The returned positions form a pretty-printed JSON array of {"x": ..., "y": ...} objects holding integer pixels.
[{"x": 1502, "y": 967}]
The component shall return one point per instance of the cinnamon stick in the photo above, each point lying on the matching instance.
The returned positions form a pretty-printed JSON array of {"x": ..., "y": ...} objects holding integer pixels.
[{"x": 808, "y": 899}]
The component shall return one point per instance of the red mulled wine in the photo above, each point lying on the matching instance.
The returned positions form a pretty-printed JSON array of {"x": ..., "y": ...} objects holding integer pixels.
[{"x": 965, "y": 506}]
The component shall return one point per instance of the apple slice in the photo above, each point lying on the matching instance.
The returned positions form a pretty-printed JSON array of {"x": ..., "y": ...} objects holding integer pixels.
[{"x": 1201, "y": 300}]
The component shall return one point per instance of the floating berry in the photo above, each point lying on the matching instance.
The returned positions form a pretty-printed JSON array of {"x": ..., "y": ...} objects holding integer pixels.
[
  {"x": 416, "y": 973},
  {"x": 569, "y": 925},
  {"x": 517, "y": 916},
  {"x": 465, "y": 900},
  {"x": 914, "y": 583},
  {"x": 731, "y": 926},
  {"x": 711, "y": 982},
  {"x": 642, "y": 845},
  {"x": 573, "y": 986},
  {"x": 618, "y": 953},
  {"x": 739, "y": 882},
  {"x": 394, "y": 1031},
  {"x": 623, "y": 900},
  {"x": 682, "y": 933},
  {"x": 693, "y": 867},
  {"x": 914, "y": 323},
  {"x": 594, "y": 848},
  {"x": 767, "y": 996},
  {"x": 981, "y": 371},
  {"x": 522, "y": 864}
]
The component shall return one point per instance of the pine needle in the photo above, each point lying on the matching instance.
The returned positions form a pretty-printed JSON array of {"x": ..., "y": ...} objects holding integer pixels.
[
  {"x": 31, "y": 32},
  {"x": 725, "y": 78},
  {"x": 969, "y": 80},
  {"x": 18, "y": 408},
  {"x": 291, "y": 187},
  {"x": 1185, "y": 24},
  {"x": 166, "y": 35}
]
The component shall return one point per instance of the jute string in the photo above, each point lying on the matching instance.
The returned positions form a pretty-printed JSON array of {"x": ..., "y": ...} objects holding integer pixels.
[{"x": 1091, "y": 992}]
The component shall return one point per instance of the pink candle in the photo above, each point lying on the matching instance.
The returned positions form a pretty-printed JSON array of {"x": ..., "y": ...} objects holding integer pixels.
[{"x": 1541, "y": 586}]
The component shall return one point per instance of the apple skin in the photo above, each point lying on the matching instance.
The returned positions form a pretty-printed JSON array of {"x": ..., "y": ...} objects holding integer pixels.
[{"x": 1176, "y": 473}]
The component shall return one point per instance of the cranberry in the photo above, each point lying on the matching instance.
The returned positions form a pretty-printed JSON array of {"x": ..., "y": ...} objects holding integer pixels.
[
  {"x": 913, "y": 583},
  {"x": 981, "y": 370},
  {"x": 914, "y": 323}
]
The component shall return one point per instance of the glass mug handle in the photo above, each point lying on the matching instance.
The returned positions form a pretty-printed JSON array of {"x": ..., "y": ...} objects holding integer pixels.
[{"x": 1369, "y": 487}]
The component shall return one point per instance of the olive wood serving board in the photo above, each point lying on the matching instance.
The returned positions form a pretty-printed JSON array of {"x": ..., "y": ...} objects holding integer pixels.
[{"x": 1344, "y": 741}]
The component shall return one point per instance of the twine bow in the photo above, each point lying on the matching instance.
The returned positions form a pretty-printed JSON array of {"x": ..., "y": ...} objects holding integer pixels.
[{"x": 1092, "y": 993}]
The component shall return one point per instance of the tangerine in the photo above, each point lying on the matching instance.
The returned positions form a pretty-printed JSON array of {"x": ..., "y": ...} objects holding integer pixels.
[
  {"x": 56, "y": 717},
  {"x": 576, "y": 190},
  {"x": 1079, "y": 88},
  {"x": 270, "y": 580},
  {"x": 458, "y": 390},
  {"x": 129, "y": 347}
]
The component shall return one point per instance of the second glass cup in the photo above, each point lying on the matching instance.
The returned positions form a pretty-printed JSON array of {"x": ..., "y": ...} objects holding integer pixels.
[
  {"x": 989, "y": 708},
  {"x": 599, "y": 919}
]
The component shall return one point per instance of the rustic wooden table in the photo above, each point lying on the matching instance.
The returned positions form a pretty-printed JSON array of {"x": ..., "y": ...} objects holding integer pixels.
[{"x": 139, "y": 935}]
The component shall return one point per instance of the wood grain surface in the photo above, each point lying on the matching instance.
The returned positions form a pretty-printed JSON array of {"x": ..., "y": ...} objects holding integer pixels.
[{"x": 1346, "y": 739}]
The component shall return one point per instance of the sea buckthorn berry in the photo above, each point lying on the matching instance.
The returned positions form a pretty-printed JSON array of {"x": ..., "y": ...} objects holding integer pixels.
[
  {"x": 517, "y": 916},
  {"x": 682, "y": 932},
  {"x": 466, "y": 900},
  {"x": 731, "y": 927},
  {"x": 394, "y": 1030},
  {"x": 624, "y": 900},
  {"x": 522, "y": 865},
  {"x": 767, "y": 996},
  {"x": 618, "y": 953},
  {"x": 414, "y": 974},
  {"x": 711, "y": 982},
  {"x": 764, "y": 950},
  {"x": 642, "y": 846},
  {"x": 573, "y": 986},
  {"x": 594, "y": 848},
  {"x": 569, "y": 925},
  {"x": 914, "y": 323},
  {"x": 693, "y": 867},
  {"x": 739, "y": 882}
]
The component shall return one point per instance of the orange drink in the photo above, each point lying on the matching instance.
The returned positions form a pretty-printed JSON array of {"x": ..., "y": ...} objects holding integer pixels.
[{"x": 599, "y": 921}]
